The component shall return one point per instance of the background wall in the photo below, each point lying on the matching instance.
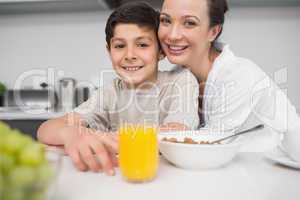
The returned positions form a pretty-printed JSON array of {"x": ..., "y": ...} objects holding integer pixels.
[{"x": 73, "y": 44}]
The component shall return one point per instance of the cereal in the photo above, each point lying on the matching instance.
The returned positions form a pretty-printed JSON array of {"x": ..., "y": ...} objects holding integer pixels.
[{"x": 186, "y": 140}]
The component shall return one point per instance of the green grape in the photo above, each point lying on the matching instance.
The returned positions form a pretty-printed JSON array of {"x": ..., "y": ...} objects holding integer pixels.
[
  {"x": 15, "y": 142},
  {"x": 44, "y": 174},
  {"x": 7, "y": 163},
  {"x": 4, "y": 132},
  {"x": 21, "y": 176},
  {"x": 37, "y": 195},
  {"x": 14, "y": 194},
  {"x": 4, "y": 128},
  {"x": 25, "y": 172},
  {"x": 32, "y": 155},
  {"x": 1, "y": 185}
]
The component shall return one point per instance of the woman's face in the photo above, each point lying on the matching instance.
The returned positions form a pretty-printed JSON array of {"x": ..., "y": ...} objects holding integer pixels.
[{"x": 184, "y": 30}]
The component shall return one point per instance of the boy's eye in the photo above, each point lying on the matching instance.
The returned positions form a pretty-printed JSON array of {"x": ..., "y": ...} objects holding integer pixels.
[
  {"x": 119, "y": 46},
  {"x": 143, "y": 45},
  {"x": 165, "y": 20},
  {"x": 189, "y": 23}
]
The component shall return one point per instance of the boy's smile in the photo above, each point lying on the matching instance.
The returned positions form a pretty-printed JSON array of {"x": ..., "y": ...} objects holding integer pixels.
[{"x": 134, "y": 53}]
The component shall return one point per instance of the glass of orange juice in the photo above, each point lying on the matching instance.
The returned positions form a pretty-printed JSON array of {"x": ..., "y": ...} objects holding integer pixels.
[
  {"x": 138, "y": 152},
  {"x": 138, "y": 144}
]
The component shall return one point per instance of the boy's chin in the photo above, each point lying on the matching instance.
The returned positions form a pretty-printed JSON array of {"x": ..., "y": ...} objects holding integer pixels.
[
  {"x": 138, "y": 84},
  {"x": 131, "y": 83}
]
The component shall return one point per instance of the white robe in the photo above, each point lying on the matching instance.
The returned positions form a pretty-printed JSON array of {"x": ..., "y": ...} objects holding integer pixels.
[{"x": 239, "y": 94}]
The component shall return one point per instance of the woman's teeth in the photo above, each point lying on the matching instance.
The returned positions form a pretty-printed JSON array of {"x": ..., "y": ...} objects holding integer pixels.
[
  {"x": 177, "y": 48},
  {"x": 132, "y": 68}
]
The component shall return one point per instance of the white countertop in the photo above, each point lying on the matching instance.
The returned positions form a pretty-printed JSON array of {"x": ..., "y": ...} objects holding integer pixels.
[{"x": 248, "y": 176}]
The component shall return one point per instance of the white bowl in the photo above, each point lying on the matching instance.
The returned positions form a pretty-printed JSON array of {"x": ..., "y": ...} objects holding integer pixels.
[{"x": 198, "y": 156}]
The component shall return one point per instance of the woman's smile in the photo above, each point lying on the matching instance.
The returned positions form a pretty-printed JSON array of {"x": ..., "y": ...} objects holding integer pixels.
[{"x": 176, "y": 50}]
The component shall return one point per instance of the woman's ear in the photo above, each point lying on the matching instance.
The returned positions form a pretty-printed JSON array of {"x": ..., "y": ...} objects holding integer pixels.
[
  {"x": 214, "y": 32},
  {"x": 161, "y": 55}
]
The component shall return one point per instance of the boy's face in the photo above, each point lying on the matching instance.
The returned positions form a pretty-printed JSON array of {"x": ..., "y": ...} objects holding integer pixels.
[{"x": 134, "y": 53}]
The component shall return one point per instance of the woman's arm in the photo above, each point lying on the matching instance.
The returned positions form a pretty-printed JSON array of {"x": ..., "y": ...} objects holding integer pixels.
[{"x": 183, "y": 103}]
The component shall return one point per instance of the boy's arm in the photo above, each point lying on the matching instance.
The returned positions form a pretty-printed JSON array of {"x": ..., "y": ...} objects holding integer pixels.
[
  {"x": 54, "y": 131},
  {"x": 85, "y": 146}
]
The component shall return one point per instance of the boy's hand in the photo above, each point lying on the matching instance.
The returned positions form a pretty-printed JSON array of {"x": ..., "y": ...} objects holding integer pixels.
[{"x": 90, "y": 150}]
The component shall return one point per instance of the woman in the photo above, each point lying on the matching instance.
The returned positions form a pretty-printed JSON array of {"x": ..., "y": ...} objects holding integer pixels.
[{"x": 234, "y": 90}]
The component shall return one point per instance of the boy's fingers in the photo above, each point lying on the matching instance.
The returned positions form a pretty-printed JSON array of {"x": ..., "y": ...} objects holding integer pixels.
[
  {"x": 109, "y": 142},
  {"x": 115, "y": 136},
  {"x": 104, "y": 158},
  {"x": 79, "y": 164},
  {"x": 89, "y": 158},
  {"x": 113, "y": 156}
]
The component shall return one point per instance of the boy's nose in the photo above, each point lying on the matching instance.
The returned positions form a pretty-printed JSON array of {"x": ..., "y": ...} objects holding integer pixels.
[{"x": 130, "y": 56}]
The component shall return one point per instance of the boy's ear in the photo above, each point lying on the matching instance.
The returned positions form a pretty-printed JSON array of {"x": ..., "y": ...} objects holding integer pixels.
[
  {"x": 108, "y": 49},
  {"x": 161, "y": 55}
]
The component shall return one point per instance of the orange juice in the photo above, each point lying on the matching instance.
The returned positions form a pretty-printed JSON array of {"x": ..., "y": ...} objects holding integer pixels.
[{"x": 138, "y": 156}]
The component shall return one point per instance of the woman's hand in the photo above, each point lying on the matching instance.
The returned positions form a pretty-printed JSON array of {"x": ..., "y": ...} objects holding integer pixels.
[
  {"x": 173, "y": 126},
  {"x": 91, "y": 150}
]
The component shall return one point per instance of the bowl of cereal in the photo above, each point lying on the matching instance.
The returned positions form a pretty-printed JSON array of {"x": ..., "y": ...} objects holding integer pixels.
[{"x": 193, "y": 149}]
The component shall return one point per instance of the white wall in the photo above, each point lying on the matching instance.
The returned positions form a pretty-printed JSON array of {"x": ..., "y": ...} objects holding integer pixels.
[{"x": 75, "y": 43}]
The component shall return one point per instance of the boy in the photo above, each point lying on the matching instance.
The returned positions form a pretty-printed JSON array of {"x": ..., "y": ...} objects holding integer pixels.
[{"x": 131, "y": 36}]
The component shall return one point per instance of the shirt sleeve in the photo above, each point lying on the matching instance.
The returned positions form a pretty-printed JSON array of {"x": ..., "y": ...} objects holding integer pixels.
[
  {"x": 94, "y": 111},
  {"x": 183, "y": 100}
]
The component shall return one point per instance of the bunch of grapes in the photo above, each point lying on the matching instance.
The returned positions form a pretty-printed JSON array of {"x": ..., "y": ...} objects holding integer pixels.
[{"x": 25, "y": 173}]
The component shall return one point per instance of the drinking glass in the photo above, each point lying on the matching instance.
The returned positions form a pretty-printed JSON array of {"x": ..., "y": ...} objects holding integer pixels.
[{"x": 138, "y": 128}]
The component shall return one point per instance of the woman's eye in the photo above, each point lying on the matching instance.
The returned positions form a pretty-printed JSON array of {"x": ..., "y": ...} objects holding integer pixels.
[
  {"x": 164, "y": 20},
  {"x": 190, "y": 23}
]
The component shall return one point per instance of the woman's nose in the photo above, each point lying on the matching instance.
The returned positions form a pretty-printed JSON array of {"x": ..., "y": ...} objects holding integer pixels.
[{"x": 174, "y": 34}]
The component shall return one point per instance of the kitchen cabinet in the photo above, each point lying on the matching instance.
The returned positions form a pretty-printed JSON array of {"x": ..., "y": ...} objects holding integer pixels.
[
  {"x": 26, "y": 122},
  {"x": 20, "y": 1},
  {"x": 264, "y": 2},
  {"x": 28, "y": 127},
  {"x": 32, "y": 6},
  {"x": 40, "y": 6}
]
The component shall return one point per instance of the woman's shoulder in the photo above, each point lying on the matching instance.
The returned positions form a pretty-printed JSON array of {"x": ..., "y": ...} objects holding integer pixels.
[{"x": 238, "y": 68}]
